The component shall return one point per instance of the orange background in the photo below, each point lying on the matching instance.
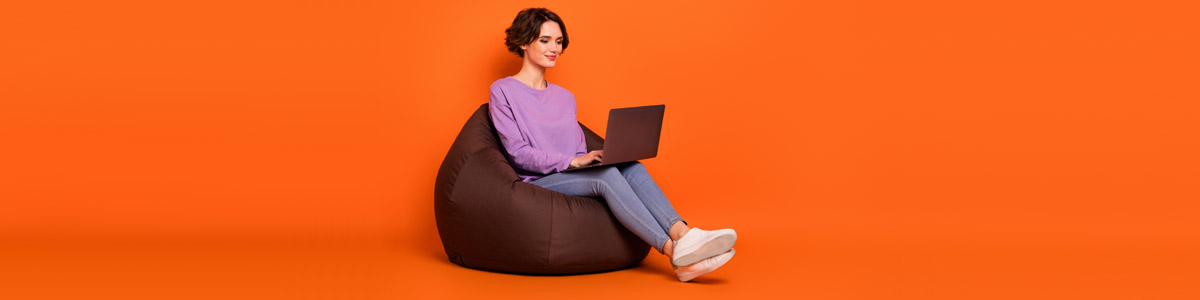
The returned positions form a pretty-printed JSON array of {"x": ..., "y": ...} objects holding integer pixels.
[{"x": 865, "y": 149}]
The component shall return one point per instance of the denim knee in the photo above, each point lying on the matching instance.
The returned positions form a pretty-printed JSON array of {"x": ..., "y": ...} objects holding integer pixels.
[
  {"x": 636, "y": 166},
  {"x": 633, "y": 168},
  {"x": 610, "y": 173}
]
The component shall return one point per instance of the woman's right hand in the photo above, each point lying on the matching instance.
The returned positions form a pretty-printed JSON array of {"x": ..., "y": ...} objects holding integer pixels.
[{"x": 587, "y": 159}]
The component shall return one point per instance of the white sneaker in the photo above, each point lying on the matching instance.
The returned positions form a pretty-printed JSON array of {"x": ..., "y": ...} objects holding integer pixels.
[
  {"x": 697, "y": 245},
  {"x": 704, "y": 266}
]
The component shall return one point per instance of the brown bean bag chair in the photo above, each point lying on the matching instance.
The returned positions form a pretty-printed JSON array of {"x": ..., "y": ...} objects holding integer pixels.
[{"x": 489, "y": 219}]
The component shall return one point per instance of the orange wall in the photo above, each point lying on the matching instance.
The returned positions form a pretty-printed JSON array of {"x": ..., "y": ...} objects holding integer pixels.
[{"x": 893, "y": 119}]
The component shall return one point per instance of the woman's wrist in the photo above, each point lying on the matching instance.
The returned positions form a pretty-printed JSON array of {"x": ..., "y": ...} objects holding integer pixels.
[{"x": 573, "y": 163}]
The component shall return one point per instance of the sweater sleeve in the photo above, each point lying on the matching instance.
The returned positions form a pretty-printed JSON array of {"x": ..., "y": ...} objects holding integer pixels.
[
  {"x": 520, "y": 153},
  {"x": 581, "y": 149}
]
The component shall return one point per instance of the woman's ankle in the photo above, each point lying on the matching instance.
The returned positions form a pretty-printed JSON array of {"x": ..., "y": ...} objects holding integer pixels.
[
  {"x": 678, "y": 230},
  {"x": 669, "y": 248}
]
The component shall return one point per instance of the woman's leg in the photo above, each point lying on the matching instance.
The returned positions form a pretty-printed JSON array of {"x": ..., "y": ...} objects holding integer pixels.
[
  {"x": 704, "y": 245},
  {"x": 653, "y": 198},
  {"x": 608, "y": 183},
  {"x": 656, "y": 201}
]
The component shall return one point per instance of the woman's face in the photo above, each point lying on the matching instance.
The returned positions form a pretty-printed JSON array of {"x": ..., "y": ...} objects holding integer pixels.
[{"x": 544, "y": 50}]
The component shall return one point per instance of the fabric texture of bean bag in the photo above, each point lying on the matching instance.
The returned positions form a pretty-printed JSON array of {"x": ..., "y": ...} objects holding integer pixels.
[{"x": 489, "y": 219}]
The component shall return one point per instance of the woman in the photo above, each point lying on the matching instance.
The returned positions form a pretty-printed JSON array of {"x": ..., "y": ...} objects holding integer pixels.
[{"x": 536, "y": 123}]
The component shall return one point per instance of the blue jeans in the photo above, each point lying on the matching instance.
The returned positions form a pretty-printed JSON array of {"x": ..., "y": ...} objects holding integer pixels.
[{"x": 631, "y": 194}]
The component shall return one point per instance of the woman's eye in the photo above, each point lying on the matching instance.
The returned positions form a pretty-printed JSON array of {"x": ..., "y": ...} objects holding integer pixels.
[
  {"x": 544, "y": 41},
  {"x": 558, "y": 42}
]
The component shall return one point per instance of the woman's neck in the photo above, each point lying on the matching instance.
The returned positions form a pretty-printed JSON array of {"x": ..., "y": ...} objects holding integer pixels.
[{"x": 532, "y": 75}]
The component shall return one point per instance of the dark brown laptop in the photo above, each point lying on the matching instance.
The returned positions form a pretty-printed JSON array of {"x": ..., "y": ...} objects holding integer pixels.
[{"x": 632, "y": 134}]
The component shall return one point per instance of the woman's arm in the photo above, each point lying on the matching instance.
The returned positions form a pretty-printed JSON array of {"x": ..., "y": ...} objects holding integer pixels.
[{"x": 523, "y": 155}]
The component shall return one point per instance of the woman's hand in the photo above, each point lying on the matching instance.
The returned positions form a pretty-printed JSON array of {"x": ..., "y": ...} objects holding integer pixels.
[{"x": 587, "y": 159}]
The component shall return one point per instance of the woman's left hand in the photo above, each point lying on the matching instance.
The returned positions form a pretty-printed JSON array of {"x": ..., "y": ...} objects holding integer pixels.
[{"x": 587, "y": 159}]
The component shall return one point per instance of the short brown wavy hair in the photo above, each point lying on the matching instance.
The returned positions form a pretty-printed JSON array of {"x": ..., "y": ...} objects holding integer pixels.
[{"x": 528, "y": 27}]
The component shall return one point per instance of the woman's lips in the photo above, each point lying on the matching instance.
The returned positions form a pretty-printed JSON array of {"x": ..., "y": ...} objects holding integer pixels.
[{"x": 552, "y": 57}]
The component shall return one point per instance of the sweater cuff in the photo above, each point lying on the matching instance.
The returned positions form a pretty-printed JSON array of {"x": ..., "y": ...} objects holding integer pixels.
[{"x": 566, "y": 164}]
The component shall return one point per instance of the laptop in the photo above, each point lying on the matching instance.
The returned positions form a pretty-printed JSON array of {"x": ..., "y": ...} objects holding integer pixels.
[{"x": 632, "y": 135}]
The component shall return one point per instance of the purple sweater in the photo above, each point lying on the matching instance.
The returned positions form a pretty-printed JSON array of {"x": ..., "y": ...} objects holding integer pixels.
[{"x": 537, "y": 127}]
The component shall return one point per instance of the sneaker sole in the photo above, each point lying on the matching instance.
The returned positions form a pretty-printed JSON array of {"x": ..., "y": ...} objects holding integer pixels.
[
  {"x": 713, "y": 247},
  {"x": 692, "y": 275}
]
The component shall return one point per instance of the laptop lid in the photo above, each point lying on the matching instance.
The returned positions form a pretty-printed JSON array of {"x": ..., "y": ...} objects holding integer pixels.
[{"x": 632, "y": 134}]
